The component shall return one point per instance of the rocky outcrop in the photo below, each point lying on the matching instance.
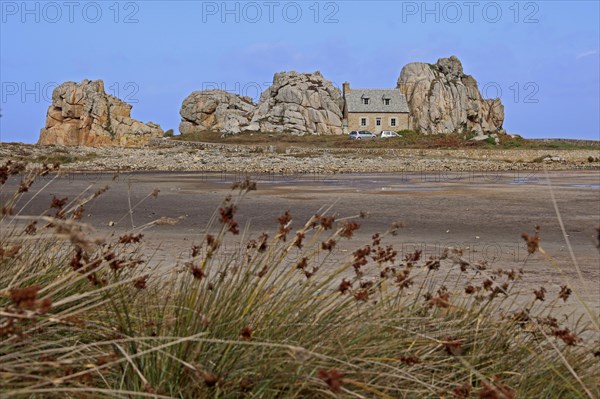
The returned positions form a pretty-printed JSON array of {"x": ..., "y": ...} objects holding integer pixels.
[
  {"x": 83, "y": 114},
  {"x": 300, "y": 103},
  {"x": 442, "y": 99},
  {"x": 296, "y": 103},
  {"x": 216, "y": 110}
]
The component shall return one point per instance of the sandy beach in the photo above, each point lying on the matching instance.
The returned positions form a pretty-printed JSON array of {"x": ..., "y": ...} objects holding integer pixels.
[{"x": 481, "y": 213}]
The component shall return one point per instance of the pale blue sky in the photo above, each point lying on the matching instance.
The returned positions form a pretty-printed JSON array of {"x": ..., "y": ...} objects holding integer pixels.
[{"x": 541, "y": 57}]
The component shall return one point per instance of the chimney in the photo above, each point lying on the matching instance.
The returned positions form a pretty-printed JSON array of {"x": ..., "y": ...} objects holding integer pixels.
[{"x": 345, "y": 90}]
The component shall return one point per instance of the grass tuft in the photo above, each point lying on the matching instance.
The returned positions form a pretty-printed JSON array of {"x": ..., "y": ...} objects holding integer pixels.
[{"x": 82, "y": 318}]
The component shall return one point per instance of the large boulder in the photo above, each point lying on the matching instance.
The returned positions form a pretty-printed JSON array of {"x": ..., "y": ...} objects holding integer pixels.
[
  {"x": 215, "y": 110},
  {"x": 83, "y": 114},
  {"x": 297, "y": 103},
  {"x": 442, "y": 99},
  {"x": 300, "y": 103}
]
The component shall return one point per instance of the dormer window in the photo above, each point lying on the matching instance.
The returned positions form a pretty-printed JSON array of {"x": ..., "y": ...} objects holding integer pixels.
[
  {"x": 365, "y": 100},
  {"x": 386, "y": 101}
]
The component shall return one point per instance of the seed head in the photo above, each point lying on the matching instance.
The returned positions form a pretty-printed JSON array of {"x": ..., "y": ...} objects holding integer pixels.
[
  {"x": 302, "y": 263},
  {"x": 211, "y": 379},
  {"x": 332, "y": 377},
  {"x": 361, "y": 295},
  {"x": 568, "y": 337},
  {"x": 262, "y": 242},
  {"x": 410, "y": 360},
  {"x": 25, "y": 298},
  {"x": 140, "y": 283},
  {"x": 533, "y": 242},
  {"x": 565, "y": 292},
  {"x": 198, "y": 273},
  {"x": 31, "y": 229},
  {"x": 453, "y": 346},
  {"x": 496, "y": 390},
  {"x": 413, "y": 257},
  {"x": 130, "y": 238},
  {"x": 58, "y": 203},
  {"x": 298, "y": 239},
  {"x": 540, "y": 294},
  {"x": 246, "y": 333},
  {"x": 348, "y": 229},
  {"x": 345, "y": 285},
  {"x": 462, "y": 391},
  {"x": 328, "y": 245},
  {"x": 326, "y": 222}
]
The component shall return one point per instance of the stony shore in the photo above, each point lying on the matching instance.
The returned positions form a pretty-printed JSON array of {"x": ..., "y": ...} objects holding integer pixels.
[{"x": 170, "y": 155}]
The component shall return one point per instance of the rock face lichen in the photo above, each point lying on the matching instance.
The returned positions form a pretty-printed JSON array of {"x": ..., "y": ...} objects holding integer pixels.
[
  {"x": 83, "y": 114},
  {"x": 442, "y": 99}
]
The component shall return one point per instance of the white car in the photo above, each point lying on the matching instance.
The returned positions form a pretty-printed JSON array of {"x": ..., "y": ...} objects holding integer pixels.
[
  {"x": 361, "y": 134},
  {"x": 388, "y": 133}
]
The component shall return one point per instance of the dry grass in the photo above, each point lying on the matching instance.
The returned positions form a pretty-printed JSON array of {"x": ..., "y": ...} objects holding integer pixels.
[
  {"x": 409, "y": 139},
  {"x": 81, "y": 318}
]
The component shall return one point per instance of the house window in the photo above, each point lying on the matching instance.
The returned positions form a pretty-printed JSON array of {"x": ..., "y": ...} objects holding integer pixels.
[
  {"x": 378, "y": 121},
  {"x": 393, "y": 122},
  {"x": 386, "y": 101},
  {"x": 365, "y": 101},
  {"x": 363, "y": 121}
]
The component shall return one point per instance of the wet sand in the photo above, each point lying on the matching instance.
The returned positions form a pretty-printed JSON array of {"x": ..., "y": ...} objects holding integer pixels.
[{"x": 483, "y": 213}]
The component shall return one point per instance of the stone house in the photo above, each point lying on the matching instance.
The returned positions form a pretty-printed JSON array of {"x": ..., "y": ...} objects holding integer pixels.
[{"x": 374, "y": 109}]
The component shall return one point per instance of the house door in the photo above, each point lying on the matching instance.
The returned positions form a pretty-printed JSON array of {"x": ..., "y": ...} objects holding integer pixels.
[{"x": 377, "y": 126}]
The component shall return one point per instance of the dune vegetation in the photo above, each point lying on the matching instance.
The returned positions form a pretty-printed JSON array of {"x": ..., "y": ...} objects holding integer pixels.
[{"x": 83, "y": 317}]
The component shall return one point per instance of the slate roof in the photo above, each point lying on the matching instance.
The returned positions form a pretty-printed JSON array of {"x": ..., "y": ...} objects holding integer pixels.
[{"x": 376, "y": 104}]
